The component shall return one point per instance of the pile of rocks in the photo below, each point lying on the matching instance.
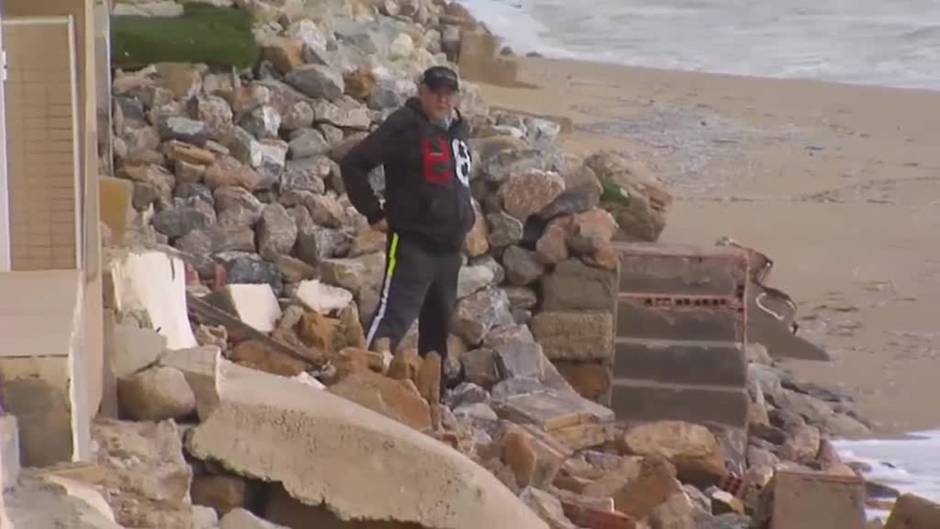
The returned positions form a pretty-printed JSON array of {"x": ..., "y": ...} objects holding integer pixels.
[
  {"x": 240, "y": 174},
  {"x": 237, "y": 176}
]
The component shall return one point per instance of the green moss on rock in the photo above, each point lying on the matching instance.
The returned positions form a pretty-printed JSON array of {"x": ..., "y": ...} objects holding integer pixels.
[{"x": 206, "y": 34}]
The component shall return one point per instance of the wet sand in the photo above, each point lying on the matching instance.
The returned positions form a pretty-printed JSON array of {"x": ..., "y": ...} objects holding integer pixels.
[{"x": 838, "y": 184}]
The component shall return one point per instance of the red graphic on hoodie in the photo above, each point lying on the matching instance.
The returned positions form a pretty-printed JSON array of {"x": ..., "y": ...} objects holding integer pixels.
[{"x": 437, "y": 160}]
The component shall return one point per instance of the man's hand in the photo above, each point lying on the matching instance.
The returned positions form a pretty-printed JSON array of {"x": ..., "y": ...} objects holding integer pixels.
[{"x": 381, "y": 226}]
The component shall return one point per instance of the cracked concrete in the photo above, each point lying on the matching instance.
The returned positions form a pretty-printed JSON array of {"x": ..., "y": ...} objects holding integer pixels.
[{"x": 327, "y": 450}]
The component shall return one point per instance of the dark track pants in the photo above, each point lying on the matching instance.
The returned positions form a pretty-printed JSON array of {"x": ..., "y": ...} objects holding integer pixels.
[{"x": 419, "y": 283}]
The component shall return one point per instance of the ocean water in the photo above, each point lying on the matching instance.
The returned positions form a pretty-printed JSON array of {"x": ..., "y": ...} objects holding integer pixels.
[
  {"x": 910, "y": 464},
  {"x": 880, "y": 42}
]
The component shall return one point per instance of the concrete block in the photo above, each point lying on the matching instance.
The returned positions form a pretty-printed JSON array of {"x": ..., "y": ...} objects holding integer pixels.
[
  {"x": 323, "y": 298},
  {"x": 637, "y": 320},
  {"x": 255, "y": 304},
  {"x": 154, "y": 283},
  {"x": 686, "y": 362},
  {"x": 836, "y": 502},
  {"x": 679, "y": 269},
  {"x": 575, "y": 286},
  {"x": 574, "y": 335},
  {"x": 200, "y": 366},
  {"x": 9, "y": 453},
  {"x": 645, "y": 401},
  {"x": 37, "y": 392},
  {"x": 133, "y": 349},
  {"x": 308, "y": 440},
  {"x": 914, "y": 512}
]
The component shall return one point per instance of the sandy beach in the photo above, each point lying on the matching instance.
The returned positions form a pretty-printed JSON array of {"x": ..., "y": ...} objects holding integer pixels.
[{"x": 838, "y": 184}]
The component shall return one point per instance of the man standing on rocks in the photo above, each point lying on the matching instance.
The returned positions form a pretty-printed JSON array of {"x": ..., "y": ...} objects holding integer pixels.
[{"x": 427, "y": 211}]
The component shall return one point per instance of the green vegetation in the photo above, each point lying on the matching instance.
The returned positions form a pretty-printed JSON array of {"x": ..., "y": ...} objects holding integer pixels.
[
  {"x": 219, "y": 37},
  {"x": 613, "y": 193}
]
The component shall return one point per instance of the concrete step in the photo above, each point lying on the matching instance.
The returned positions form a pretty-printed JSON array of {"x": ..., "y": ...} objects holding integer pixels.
[
  {"x": 679, "y": 269},
  {"x": 681, "y": 362},
  {"x": 640, "y": 400},
  {"x": 636, "y": 319}
]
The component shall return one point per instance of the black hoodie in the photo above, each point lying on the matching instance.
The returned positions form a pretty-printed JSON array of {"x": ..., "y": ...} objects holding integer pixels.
[{"x": 427, "y": 177}]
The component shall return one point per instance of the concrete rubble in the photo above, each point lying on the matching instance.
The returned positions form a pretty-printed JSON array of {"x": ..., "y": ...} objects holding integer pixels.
[{"x": 243, "y": 393}]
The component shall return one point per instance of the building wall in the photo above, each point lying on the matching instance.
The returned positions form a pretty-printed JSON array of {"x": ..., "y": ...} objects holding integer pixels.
[{"x": 90, "y": 362}]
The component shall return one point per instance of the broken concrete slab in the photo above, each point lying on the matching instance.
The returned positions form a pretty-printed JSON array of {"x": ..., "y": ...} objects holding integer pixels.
[
  {"x": 200, "y": 367},
  {"x": 38, "y": 503},
  {"x": 914, "y": 512},
  {"x": 321, "y": 297},
  {"x": 255, "y": 304},
  {"x": 837, "y": 502},
  {"x": 309, "y": 439},
  {"x": 133, "y": 348},
  {"x": 155, "y": 284},
  {"x": 156, "y": 394},
  {"x": 550, "y": 410},
  {"x": 140, "y": 467}
]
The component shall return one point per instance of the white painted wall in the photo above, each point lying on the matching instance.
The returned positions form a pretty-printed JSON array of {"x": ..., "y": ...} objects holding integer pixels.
[{"x": 4, "y": 186}]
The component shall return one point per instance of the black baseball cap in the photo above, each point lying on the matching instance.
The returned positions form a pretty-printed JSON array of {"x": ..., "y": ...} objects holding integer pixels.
[{"x": 437, "y": 77}]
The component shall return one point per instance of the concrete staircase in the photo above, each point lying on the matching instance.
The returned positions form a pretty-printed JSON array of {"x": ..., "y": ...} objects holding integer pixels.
[{"x": 681, "y": 336}]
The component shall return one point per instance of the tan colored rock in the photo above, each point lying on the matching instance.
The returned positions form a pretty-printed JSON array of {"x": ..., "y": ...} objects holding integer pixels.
[
  {"x": 575, "y": 335},
  {"x": 428, "y": 378},
  {"x": 359, "y": 83},
  {"x": 477, "y": 241},
  {"x": 318, "y": 331},
  {"x": 520, "y": 456},
  {"x": 256, "y": 355},
  {"x": 185, "y": 152},
  {"x": 369, "y": 241},
  {"x": 286, "y": 54},
  {"x": 591, "y": 231},
  {"x": 351, "y": 333},
  {"x": 914, "y": 512},
  {"x": 605, "y": 257},
  {"x": 350, "y": 360},
  {"x": 590, "y": 380},
  {"x": 552, "y": 247},
  {"x": 294, "y": 270},
  {"x": 526, "y": 194},
  {"x": 221, "y": 492},
  {"x": 641, "y": 493},
  {"x": 396, "y": 399},
  {"x": 802, "y": 445},
  {"x": 308, "y": 440},
  {"x": 677, "y": 512},
  {"x": 693, "y": 449},
  {"x": 184, "y": 80},
  {"x": 405, "y": 365},
  {"x": 227, "y": 171},
  {"x": 548, "y": 508},
  {"x": 156, "y": 394},
  {"x": 534, "y": 460}
]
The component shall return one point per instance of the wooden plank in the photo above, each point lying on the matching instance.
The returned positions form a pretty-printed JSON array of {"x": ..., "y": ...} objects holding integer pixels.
[{"x": 209, "y": 313}]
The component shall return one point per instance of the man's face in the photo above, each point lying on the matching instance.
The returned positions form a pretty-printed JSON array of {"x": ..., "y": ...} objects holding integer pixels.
[{"x": 439, "y": 103}]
